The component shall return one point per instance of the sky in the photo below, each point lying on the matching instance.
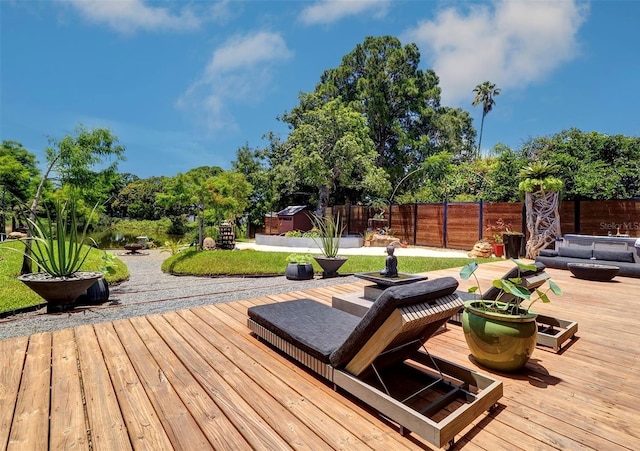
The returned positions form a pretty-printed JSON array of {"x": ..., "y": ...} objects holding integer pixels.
[{"x": 184, "y": 84}]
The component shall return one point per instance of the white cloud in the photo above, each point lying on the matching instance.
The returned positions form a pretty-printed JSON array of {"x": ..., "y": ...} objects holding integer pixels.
[
  {"x": 240, "y": 71},
  {"x": 329, "y": 11},
  {"x": 510, "y": 43},
  {"x": 128, "y": 16}
]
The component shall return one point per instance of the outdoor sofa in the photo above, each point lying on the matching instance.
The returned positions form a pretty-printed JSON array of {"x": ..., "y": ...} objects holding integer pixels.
[
  {"x": 561, "y": 257},
  {"x": 381, "y": 358}
]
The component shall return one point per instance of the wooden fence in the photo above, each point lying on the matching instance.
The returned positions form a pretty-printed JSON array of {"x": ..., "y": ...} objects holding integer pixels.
[{"x": 460, "y": 225}]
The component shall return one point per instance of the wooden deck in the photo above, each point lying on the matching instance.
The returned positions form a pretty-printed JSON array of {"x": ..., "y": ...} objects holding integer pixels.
[{"x": 196, "y": 379}]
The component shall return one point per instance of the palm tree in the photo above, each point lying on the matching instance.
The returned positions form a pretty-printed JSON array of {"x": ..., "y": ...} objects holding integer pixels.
[{"x": 485, "y": 93}]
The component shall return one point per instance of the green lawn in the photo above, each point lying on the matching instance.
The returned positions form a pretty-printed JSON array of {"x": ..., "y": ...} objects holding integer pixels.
[
  {"x": 15, "y": 295},
  {"x": 250, "y": 262}
]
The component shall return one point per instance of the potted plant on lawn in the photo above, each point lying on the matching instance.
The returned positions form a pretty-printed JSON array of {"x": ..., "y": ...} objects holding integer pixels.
[
  {"x": 299, "y": 267},
  {"x": 501, "y": 333},
  {"x": 330, "y": 230},
  {"x": 59, "y": 251}
]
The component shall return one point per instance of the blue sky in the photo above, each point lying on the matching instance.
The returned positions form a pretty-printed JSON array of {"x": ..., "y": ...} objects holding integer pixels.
[{"x": 186, "y": 83}]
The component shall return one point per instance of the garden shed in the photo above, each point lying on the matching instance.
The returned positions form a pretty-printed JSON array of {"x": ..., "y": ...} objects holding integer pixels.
[{"x": 294, "y": 217}]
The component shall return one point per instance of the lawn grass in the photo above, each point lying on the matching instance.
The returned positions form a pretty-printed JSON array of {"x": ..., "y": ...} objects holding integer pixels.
[
  {"x": 254, "y": 263},
  {"x": 15, "y": 295}
]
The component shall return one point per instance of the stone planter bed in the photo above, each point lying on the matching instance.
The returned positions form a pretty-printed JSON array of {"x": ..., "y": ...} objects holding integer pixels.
[{"x": 346, "y": 242}]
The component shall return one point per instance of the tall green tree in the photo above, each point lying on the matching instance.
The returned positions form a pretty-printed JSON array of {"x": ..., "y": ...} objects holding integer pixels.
[
  {"x": 401, "y": 103},
  {"x": 254, "y": 165},
  {"x": 77, "y": 160},
  {"x": 330, "y": 147},
  {"x": 485, "y": 92},
  {"x": 207, "y": 191},
  {"x": 18, "y": 177},
  {"x": 591, "y": 165}
]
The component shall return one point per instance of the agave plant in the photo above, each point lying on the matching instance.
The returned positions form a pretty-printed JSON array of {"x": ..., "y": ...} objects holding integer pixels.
[
  {"x": 56, "y": 246},
  {"x": 330, "y": 230}
]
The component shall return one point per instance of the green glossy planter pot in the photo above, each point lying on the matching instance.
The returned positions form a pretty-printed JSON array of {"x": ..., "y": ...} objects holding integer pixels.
[{"x": 498, "y": 341}]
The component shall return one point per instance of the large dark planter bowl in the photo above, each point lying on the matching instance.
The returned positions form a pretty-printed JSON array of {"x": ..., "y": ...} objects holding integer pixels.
[
  {"x": 499, "y": 341},
  {"x": 330, "y": 265},
  {"x": 95, "y": 294},
  {"x": 60, "y": 293},
  {"x": 299, "y": 272}
]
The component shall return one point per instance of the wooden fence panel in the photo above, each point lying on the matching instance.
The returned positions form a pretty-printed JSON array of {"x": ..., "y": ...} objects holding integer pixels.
[
  {"x": 567, "y": 211},
  {"x": 598, "y": 217},
  {"x": 358, "y": 219},
  {"x": 509, "y": 214},
  {"x": 402, "y": 222},
  {"x": 462, "y": 225},
  {"x": 430, "y": 225}
]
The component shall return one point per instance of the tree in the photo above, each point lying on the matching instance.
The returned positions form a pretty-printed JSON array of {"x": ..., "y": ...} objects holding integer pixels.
[
  {"x": 485, "y": 92},
  {"x": 401, "y": 103},
  {"x": 254, "y": 166},
  {"x": 591, "y": 165},
  {"x": 223, "y": 193},
  {"x": 329, "y": 147},
  {"x": 137, "y": 200},
  {"x": 18, "y": 174},
  {"x": 74, "y": 158}
]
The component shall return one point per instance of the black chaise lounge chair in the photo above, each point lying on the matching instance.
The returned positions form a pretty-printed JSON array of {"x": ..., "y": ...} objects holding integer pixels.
[
  {"x": 381, "y": 359},
  {"x": 552, "y": 332}
]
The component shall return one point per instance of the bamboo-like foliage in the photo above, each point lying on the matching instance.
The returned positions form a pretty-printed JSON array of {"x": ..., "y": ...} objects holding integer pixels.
[{"x": 57, "y": 247}]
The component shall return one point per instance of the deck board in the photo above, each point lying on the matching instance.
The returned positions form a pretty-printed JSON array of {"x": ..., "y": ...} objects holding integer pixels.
[{"x": 197, "y": 379}]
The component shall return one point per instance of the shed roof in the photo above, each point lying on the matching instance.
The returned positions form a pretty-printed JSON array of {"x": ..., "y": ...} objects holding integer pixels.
[{"x": 292, "y": 210}]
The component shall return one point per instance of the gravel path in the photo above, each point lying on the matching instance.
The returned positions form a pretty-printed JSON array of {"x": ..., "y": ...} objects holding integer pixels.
[{"x": 149, "y": 290}]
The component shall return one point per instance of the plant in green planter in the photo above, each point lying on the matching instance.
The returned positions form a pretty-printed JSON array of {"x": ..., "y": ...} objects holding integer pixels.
[
  {"x": 59, "y": 251},
  {"x": 500, "y": 331},
  {"x": 330, "y": 231},
  {"x": 299, "y": 267}
]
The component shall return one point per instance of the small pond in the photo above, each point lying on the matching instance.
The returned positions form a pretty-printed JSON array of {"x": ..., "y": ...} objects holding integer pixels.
[{"x": 112, "y": 239}]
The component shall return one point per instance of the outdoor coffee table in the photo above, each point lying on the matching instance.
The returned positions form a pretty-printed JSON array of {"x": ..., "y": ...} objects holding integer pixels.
[
  {"x": 592, "y": 271},
  {"x": 358, "y": 303}
]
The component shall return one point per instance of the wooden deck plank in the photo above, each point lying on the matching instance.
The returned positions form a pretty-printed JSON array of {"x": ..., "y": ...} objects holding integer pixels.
[
  {"x": 174, "y": 354},
  {"x": 30, "y": 428},
  {"x": 305, "y": 383},
  {"x": 197, "y": 368},
  {"x": 67, "y": 406},
  {"x": 107, "y": 427},
  {"x": 144, "y": 426},
  {"x": 182, "y": 429},
  {"x": 12, "y": 356},
  {"x": 228, "y": 363}
]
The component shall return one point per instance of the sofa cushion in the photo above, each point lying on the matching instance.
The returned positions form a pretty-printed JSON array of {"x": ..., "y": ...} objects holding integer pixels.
[
  {"x": 548, "y": 253},
  {"x": 616, "y": 256},
  {"x": 575, "y": 253}
]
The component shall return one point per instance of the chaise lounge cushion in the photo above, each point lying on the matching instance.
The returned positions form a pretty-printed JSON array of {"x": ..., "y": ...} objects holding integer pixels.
[
  {"x": 390, "y": 299},
  {"x": 334, "y": 336},
  {"x": 311, "y": 326}
]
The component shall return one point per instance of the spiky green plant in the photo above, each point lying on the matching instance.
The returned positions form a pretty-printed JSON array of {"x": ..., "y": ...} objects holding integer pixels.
[
  {"x": 56, "y": 246},
  {"x": 330, "y": 230}
]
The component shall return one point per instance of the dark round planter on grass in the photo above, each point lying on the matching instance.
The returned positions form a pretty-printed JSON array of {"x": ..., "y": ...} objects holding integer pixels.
[{"x": 297, "y": 271}]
